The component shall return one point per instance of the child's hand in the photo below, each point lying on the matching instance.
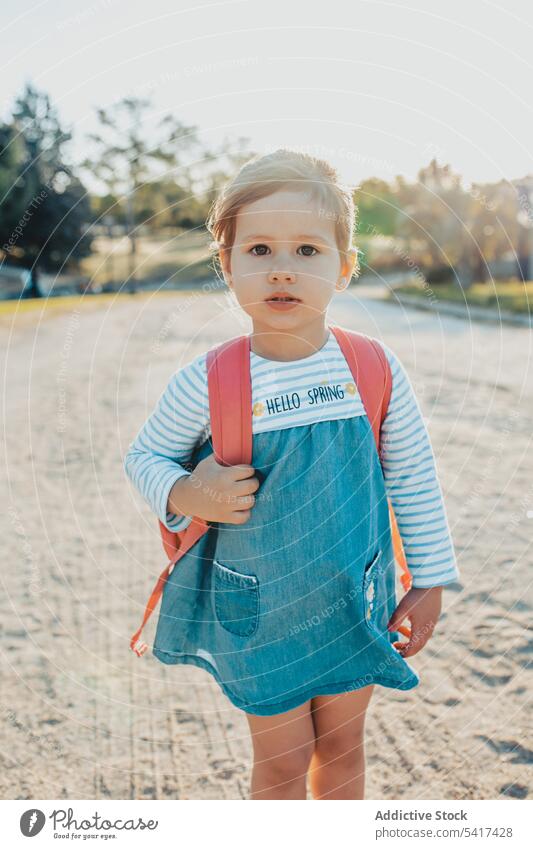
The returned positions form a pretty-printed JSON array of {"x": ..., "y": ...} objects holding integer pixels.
[
  {"x": 422, "y": 606},
  {"x": 215, "y": 493}
]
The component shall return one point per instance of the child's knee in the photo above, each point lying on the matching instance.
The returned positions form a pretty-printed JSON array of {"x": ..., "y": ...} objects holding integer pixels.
[
  {"x": 287, "y": 766},
  {"x": 343, "y": 746}
]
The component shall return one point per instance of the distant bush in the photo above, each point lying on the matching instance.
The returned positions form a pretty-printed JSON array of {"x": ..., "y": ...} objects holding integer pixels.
[{"x": 439, "y": 274}]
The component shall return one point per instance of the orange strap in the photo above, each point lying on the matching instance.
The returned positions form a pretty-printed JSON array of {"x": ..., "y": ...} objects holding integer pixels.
[
  {"x": 190, "y": 536},
  {"x": 230, "y": 388}
]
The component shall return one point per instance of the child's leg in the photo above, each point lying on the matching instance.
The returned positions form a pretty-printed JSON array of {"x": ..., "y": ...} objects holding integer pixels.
[
  {"x": 337, "y": 768},
  {"x": 283, "y": 745}
]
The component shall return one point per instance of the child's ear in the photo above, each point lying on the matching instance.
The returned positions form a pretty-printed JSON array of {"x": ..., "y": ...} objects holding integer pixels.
[
  {"x": 225, "y": 261},
  {"x": 347, "y": 268}
]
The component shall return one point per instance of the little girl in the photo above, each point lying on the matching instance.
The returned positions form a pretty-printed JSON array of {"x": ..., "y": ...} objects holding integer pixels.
[{"x": 275, "y": 600}]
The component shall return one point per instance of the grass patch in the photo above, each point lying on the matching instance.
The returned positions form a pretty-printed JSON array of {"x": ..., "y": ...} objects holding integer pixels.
[
  {"x": 508, "y": 296},
  {"x": 173, "y": 260},
  {"x": 67, "y": 303}
]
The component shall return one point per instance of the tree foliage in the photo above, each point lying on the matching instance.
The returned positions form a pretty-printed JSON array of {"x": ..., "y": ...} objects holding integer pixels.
[{"x": 44, "y": 208}]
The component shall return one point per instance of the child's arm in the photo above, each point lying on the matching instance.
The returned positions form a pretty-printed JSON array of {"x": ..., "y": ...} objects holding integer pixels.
[
  {"x": 155, "y": 458},
  {"x": 412, "y": 485}
]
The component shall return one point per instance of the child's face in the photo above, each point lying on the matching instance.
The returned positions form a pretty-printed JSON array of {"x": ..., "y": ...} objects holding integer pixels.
[{"x": 285, "y": 243}]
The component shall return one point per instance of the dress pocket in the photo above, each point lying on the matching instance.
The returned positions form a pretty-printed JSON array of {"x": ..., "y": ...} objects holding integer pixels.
[
  {"x": 236, "y": 600},
  {"x": 371, "y": 589}
]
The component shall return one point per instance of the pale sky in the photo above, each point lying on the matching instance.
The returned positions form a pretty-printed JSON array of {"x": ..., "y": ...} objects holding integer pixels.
[{"x": 376, "y": 87}]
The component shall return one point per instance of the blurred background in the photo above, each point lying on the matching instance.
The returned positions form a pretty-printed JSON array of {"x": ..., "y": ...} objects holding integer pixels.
[{"x": 115, "y": 137}]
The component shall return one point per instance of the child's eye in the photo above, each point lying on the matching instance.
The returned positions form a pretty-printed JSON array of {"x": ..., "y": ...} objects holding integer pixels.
[{"x": 261, "y": 250}]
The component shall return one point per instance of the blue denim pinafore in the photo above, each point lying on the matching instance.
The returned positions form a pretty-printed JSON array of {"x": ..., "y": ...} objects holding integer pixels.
[{"x": 295, "y": 602}]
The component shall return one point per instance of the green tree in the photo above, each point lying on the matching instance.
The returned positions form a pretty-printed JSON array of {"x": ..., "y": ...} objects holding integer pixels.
[
  {"x": 126, "y": 160},
  {"x": 377, "y": 210},
  {"x": 496, "y": 225},
  {"x": 16, "y": 191},
  {"x": 463, "y": 229},
  {"x": 44, "y": 208},
  {"x": 436, "y": 213}
]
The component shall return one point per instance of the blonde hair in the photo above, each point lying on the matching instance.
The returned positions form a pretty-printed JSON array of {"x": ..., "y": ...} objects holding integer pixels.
[{"x": 286, "y": 169}]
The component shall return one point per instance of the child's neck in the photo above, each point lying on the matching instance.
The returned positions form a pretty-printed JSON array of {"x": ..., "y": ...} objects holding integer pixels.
[{"x": 287, "y": 345}]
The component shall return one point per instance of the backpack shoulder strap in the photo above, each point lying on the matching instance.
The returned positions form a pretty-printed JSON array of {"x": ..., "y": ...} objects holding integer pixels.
[
  {"x": 371, "y": 372},
  {"x": 230, "y": 401}
]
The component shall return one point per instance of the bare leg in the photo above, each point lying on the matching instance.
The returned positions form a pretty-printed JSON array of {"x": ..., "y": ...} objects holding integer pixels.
[
  {"x": 283, "y": 745},
  {"x": 337, "y": 768}
]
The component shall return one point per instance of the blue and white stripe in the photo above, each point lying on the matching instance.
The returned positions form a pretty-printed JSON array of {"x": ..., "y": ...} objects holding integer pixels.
[{"x": 180, "y": 422}]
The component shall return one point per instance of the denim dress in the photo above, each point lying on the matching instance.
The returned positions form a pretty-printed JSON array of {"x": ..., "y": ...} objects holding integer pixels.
[{"x": 295, "y": 602}]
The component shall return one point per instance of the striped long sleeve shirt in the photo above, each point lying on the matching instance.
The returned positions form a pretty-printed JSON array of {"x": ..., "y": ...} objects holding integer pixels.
[{"x": 300, "y": 392}]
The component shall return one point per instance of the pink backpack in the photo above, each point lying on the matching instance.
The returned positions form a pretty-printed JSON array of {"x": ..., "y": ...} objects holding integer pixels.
[{"x": 228, "y": 375}]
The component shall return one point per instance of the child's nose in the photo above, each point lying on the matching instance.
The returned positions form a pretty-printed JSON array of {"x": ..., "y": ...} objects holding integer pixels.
[{"x": 282, "y": 277}]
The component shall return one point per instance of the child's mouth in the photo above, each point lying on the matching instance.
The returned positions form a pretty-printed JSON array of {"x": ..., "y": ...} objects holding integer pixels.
[{"x": 282, "y": 302}]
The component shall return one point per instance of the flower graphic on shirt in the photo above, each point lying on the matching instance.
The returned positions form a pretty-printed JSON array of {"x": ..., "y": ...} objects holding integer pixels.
[
  {"x": 350, "y": 388},
  {"x": 258, "y": 409}
]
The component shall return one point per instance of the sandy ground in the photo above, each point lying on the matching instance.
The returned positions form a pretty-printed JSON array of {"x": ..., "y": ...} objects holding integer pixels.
[{"x": 82, "y": 717}]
